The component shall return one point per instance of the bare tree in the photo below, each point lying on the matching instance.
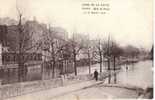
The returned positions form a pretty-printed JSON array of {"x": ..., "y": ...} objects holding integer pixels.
[
  {"x": 111, "y": 51},
  {"x": 88, "y": 50},
  {"x": 54, "y": 46},
  {"x": 22, "y": 43},
  {"x": 98, "y": 53},
  {"x": 76, "y": 46},
  {"x": 25, "y": 44},
  {"x": 131, "y": 51}
]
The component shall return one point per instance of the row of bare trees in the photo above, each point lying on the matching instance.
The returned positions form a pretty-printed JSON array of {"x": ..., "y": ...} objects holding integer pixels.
[
  {"x": 105, "y": 50},
  {"x": 99, "y": 50}
]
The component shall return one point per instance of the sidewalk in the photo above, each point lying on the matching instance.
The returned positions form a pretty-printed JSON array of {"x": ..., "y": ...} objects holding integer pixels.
[{"x": 54, "y": 92}]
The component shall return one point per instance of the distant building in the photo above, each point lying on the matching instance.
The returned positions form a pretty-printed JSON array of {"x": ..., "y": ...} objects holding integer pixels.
[
  {"x": 59, "y": 33},
  {"x": 9, "y": 40},
  {"x": 79, "y": 37},
  {"x": 9, "y": 37},
  {"x": 3, "y": 34},
  {"x": 7, "y": 21},
  {"x": 33, "y": 59}
]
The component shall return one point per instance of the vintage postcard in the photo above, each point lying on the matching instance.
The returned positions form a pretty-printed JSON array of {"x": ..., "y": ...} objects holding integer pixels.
[{"x": 76, "y": 49}]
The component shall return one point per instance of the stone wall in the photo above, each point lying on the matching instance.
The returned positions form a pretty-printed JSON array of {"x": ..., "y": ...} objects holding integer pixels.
[
  {"x": 11, "y": 90},
  {"x": 16, "y": 89}
]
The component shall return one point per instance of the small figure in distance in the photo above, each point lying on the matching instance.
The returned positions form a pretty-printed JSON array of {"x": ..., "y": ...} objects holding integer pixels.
[{"x": 96, "y": 75}]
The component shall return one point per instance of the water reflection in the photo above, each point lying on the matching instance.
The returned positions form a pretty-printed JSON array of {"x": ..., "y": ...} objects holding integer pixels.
[{"x": 138, "y": 74}]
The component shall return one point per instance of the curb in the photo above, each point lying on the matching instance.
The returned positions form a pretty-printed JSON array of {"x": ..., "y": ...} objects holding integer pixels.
[{"x": 62, "y": 94}]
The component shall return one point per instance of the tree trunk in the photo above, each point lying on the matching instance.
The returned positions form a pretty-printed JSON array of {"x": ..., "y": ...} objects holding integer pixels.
[
  {"x": 20, "y": 67},
  {"x": 108, "y": 64},
  {"x": 53, "y": 58},
  {"x": 65, "y": 66},
  {"x": 25, "y": 73},
  {"x": 75, "y": 66},
  {"x": 89, "y": 62},
  {"x": 109, "y": 71},
  {"x": 20, "y": 72},
  {"x": 53, "y": 70},
  {"x": 42, "y": 71},
  {"x": 115, "y": 70},
  {"x": 115, "y": 78},
  {"x": 103, "y": 64},
  {"x": 109, "y": 79},
  {"x": 114, "y": 63},
  {"x": 100, "y": 62}
]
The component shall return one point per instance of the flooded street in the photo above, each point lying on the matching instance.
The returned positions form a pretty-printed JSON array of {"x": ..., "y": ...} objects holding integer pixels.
[
  {"x": 139, "y": 74},
  {"x": 135, "y": 75}
]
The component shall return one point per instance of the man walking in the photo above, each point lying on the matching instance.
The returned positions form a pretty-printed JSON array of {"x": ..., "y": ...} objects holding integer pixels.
[{"x": 96, "y": 75}]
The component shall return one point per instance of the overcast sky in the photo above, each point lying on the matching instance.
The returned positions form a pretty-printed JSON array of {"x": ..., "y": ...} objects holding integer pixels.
[{"x": 128, "y": 21}]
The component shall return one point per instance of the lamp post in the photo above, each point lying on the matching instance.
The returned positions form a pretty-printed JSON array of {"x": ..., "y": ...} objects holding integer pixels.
[{"x": 0, "y": 54}]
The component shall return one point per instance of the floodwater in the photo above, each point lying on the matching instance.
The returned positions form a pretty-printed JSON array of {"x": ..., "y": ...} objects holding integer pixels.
[{"x": 139, "y": 74}]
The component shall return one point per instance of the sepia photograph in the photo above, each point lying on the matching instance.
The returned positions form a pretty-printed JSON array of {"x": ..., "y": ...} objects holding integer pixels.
[{"x": 76, "y": 49}]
